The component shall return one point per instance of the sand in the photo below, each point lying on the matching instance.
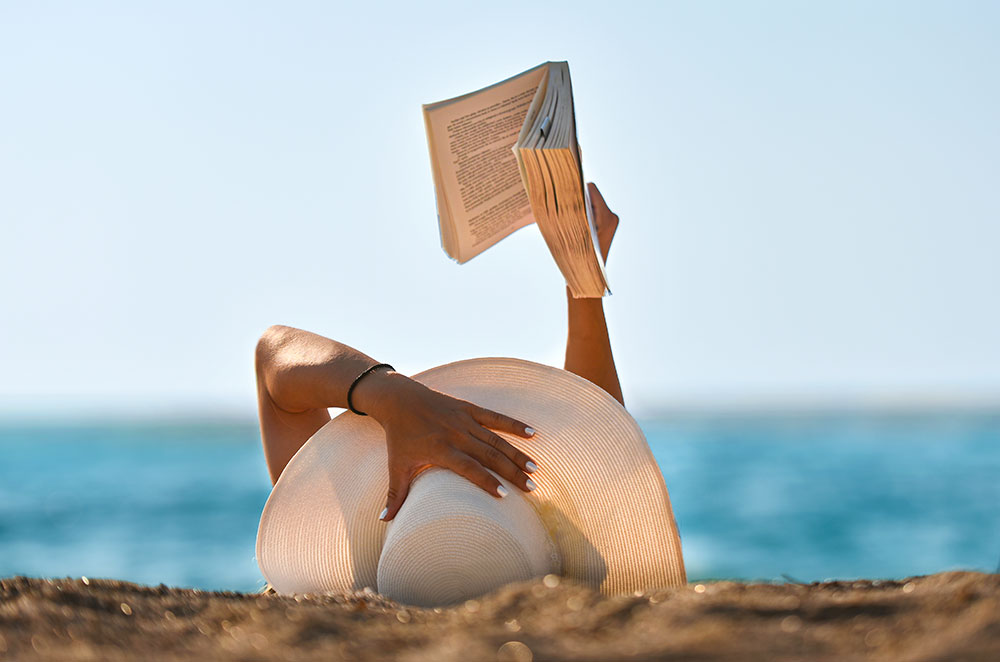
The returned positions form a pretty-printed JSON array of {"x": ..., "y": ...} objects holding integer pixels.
[{"x": 948, "y": 616}]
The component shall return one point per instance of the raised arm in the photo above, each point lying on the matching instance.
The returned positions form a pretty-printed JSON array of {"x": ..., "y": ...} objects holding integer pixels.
[
  {"x": 588, "y": 347},
  {"x": 301, "y": 374}
]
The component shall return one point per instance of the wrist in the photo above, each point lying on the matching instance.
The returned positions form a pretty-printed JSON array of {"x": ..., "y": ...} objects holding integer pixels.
[
  {"x": 584, "y": 303},
  {"x": 376, "y": 393}
]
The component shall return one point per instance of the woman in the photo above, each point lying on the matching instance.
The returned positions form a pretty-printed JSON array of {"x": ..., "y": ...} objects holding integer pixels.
[{"x": 301, "y": 374}]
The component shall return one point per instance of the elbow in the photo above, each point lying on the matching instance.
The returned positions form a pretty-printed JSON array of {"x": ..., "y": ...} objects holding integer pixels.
[
  {"x": 272, "y": 365},
  {"x": 268, "y": 346}
]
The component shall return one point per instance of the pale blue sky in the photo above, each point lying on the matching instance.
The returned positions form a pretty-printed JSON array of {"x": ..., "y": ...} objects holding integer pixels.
[{"x": 809, "y": 194}]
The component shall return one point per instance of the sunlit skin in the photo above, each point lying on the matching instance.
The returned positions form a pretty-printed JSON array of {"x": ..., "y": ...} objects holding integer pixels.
[{"x": 301, "y": 374}]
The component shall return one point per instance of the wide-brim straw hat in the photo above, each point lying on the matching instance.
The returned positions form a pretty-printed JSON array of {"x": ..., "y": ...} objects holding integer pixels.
[{"x": 600, "y": 515}]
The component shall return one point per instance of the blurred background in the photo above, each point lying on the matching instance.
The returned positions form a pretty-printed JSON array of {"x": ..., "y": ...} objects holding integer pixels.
[{"x": 805, "y": 277}]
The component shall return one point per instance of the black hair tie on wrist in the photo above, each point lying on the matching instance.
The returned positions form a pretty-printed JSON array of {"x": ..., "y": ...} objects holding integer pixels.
[{"x": 350, "y": 391}]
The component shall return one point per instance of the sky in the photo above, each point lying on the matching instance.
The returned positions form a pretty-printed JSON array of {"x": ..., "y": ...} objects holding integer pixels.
[{"x": 808, "y": 194}]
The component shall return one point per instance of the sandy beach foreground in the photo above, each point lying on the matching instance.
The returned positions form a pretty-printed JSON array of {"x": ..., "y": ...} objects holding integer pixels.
[{"x": 948, "y": 616}]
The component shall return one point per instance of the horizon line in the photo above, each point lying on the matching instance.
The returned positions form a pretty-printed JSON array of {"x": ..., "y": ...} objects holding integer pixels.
[{"x": 643, "y": 409}]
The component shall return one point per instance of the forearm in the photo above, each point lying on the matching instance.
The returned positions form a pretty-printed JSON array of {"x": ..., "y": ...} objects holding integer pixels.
[
  {"x": 299, "y": 376},
  {"x": 588, "y": 346},
  {"x": 303, "y": 371}
]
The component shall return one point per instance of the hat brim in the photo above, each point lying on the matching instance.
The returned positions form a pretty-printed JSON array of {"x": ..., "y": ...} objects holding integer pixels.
[{"x": 600, "y": 493}]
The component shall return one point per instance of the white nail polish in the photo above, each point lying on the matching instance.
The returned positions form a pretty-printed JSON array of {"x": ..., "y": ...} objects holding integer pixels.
[
  {"x": 529, "y": 431},
  {"x": 502, "y": 491},
  {"x": 530, "y": 467},
  {"x": 385, "y": 511},
  {"x": 530, "y": 484}
]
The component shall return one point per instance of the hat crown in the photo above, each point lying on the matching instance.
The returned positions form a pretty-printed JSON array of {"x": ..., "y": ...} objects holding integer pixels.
[{"x": 451, "y": 541}]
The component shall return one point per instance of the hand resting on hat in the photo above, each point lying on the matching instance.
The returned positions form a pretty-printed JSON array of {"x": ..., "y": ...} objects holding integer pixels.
[
  {"x": 425, "y": 428},
  {"x": 301, "y": 374}
]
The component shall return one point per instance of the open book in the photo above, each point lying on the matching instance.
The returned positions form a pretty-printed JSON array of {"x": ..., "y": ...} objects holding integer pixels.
[{"x": 505, "y": 157}]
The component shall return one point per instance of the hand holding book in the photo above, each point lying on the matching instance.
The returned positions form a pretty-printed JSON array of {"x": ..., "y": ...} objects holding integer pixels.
[
  {"x": 588, "y": 347},
  {"x": 605, "y": 220},
  {"x": 507, "y": 156}
]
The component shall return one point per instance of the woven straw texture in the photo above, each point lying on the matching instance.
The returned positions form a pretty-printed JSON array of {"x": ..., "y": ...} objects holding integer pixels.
[
  {"x": 452, "y": 541},
  {"x": 600, "y": 499}
]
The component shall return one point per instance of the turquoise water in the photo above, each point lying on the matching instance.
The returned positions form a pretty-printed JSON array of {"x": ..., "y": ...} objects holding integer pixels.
[{"x": 806, "y": 497}]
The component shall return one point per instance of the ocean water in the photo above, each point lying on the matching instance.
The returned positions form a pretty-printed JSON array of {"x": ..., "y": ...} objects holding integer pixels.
[{"x": 803, "y": 497}]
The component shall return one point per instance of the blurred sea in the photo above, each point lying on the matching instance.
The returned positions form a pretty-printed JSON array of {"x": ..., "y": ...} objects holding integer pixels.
[{"x": 756, "y": 496}]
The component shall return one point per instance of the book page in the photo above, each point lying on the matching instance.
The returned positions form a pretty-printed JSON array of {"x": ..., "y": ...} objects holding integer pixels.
[
  {"x": 480, "y": 196},
  {"x": 553, "y": 174}
]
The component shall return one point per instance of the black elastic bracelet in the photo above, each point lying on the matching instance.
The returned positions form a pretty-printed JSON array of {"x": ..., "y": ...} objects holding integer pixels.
[{"x": 350, "y": 391}]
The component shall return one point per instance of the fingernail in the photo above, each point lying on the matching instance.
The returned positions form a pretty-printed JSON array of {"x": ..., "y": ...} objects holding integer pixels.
[
  {"x": 502, "y": 491},
  {"x": 529, "y": 431},
  {"x": 530, "y": 467},
  {"x": 530, "y": 484},
  {"x": 385, "y": 511}
]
